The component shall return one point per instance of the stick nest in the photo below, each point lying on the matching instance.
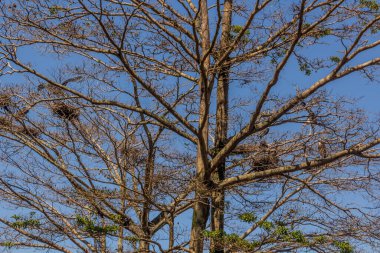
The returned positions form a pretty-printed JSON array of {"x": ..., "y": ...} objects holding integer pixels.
[
  {"x": 5, "y": 122},
  {"x": 5, "y": 100},
  {"x": 65, "y": 111}
]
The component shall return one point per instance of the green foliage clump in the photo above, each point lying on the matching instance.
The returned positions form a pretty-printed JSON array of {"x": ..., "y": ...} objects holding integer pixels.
[
  {"x": 320, "y": 239},
  {"x": 284, "y": 233},
  {"x": 116, "y": 218},
  {"x": 304, "y": 67},
  {"x": 90, "y": 226},
  {"x": 247, "y": 217},
  {"x": 236, "y": 29},
  {"x": 323, "y": 32},
  {"x": 281, "y": 231},
  {"x": 335, "y": 59},
  {"x": 266, "y": 225},
  {"x": 344, "y": 247},
  {"x": 25, "y": 222},
  {"x": 132, "y": 239},
  {"x": 213, "y": 234},
  {"x": 8, "y": 244},
  {"x": 55, "y": 9},
  {"x": 231, "y": 240},
  {"x": 298, "y": 236},
  {"x": 370, "y": 4}
]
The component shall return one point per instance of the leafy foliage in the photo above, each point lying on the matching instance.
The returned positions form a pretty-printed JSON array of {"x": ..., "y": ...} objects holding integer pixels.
[
  {"x": 236, "y": 29},
  {"x": 88, "y": 225},
  {"x": 25, "y": 222},
  {"x": 231, "y": 240},
  {"x": 248, "y": 217},
  {"x": 344, "y": 247},
  {"x": 335, "y": 59},
  {"x": 55, "y": 9},
  {"x": 266, "y": 225},
  {"x": 8, "y": 244},
  {"x": 304, "y": 67}
]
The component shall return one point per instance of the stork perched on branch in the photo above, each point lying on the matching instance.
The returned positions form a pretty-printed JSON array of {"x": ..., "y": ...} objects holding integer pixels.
[{"x": 322, "y": 149}]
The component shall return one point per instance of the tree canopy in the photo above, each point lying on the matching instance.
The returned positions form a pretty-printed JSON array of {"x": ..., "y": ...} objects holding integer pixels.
[{"x": 188, "y": 126}]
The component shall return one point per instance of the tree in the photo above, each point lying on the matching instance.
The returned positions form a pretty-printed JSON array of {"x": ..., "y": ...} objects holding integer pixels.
[{"x": 121, "y": 119}]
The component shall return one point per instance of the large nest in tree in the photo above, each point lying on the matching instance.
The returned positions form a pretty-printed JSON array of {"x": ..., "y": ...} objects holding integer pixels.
[
  {"x": 65, "y": 111},
  {"x": 264, "y": 158},
  {"x": 5, "y": 122},
  {"x": 5, "y": 100},
  {"x": 264, "y": 162}
]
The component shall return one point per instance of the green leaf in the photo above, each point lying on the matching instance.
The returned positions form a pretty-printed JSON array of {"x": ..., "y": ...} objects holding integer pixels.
[
  {"x": 344, "y": 247},
  {"x": 8, "y": 244},
  {"x": 298, "y": 236},
  {"x": 91, "y": 227},
  {"x": 54, "y": 9},
  {"x": 236, "y": 28},
  {"x": 266, "y": 225},
  {"x": 320, "y": 239},
  {"x": 281, "y": 230},
  {"x": 304, "y": 67},
  {"x": 335, "y": 59},
  {"x": 247, "y": 217}
]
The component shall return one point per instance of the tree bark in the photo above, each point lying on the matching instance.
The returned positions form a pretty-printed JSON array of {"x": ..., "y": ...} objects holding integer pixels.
[
  {"x": 218, "y": 196},
  {"x": 203, "y": 175},
  {"x": 149, "y": 172}
]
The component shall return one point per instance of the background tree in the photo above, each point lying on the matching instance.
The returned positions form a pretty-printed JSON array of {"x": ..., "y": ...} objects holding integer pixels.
[{"x": 184, "y": 126}]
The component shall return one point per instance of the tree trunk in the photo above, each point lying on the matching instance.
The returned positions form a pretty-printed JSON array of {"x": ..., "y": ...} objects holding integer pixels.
[
  {"x": 203, "y": 176},
  {"x": 218, "y": 196},
  {"x": 144, "y": 246},
  {"x": 149, "y": 172},
  {"x": 201, "y": 206}
]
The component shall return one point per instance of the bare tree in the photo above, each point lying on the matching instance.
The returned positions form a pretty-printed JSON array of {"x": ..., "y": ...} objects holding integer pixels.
[{"x": 185, "y": 126}]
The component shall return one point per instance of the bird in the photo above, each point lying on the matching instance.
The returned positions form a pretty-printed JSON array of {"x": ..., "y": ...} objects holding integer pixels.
[
  {"x": 263, "y": 145},
  {"x": 5, "y": 102},
  {"x": 11, "y": 108},
  {"x": 6, "y": 109},
  {"x": 64, "y": 83},
  {"x": 70, "y": 80},
  {"x": 263, "y": 133},
  {"x": 312, "y": 119},
  {"x": 322, "y": 149}
]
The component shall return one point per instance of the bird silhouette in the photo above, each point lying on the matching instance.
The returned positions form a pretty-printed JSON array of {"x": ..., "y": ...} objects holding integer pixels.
[
  {"x": 312, "y": 119},
  {"x": 263, "y": 133},
  {"x": 5, "y": 102},
  {"x": 6, "y": 108},
  {"x": 70, "y": 80},
  {"x": 11, "y": 107},
  {"x": 54, "y": 89},
  {"x": 322, "y": 149}
]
